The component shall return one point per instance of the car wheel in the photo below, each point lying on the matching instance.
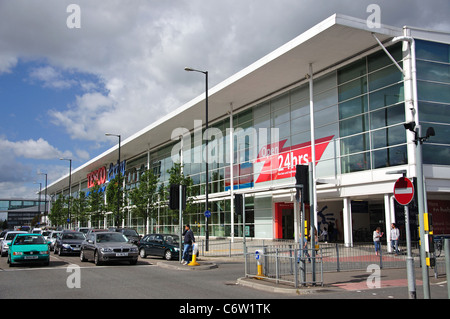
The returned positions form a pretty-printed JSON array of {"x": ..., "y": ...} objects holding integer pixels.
[
  {"x": 10, "y": 263},
  {"x": 168, "y": 255},
  {"x": 142, "y": 253},
  {"x": 60, "y": 251},
  {"x": 97, "y": 261},
  {"x": 55, "y": 251},
  {"x": 82, "y": 258},
  {"x": 133, "y": 261},
  {"x": 47, "y": 262}
]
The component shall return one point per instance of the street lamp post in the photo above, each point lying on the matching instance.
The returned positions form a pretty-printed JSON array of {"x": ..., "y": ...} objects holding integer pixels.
[
  {"x": 118, "y": 170},
  {"x": 206, "y": 158},
  {"x": 70, "y": 189},
  {"x": 39, "y": 205},
  {"x": 45, "y": 195}
]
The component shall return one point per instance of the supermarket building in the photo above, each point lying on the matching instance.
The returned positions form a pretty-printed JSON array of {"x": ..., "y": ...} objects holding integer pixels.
[{"x": 360, "y": 82}]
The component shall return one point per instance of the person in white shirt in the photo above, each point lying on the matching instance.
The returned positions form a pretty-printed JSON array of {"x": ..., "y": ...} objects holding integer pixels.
[{"x": 395, "y": 234}]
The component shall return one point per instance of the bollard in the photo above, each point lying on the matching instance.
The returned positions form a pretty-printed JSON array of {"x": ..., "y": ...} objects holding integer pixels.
[
  {"x": 258, "y": 255},
  {"x": 194, "y": 256}
]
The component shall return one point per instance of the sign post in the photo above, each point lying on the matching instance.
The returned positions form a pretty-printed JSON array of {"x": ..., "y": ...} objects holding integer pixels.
[{"x": 404, "y": 193}]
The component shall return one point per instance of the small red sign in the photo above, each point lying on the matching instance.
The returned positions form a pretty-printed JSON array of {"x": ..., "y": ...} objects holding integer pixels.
[{"x": 403, "y": 191}]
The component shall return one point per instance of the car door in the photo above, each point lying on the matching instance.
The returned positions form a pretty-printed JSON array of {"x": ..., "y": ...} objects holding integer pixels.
[
  {"x": 158, "y": 246},
  {"x": 88, "y": 246}
]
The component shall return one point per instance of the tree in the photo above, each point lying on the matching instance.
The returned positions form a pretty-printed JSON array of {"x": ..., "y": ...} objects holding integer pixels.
[
  {"x": 58, "y": 213},
  {"x": 143, "y": 197},
  {"x": 114, "y": 195},
  {"x": 96, "y": 203},
  {"x": 79, "y": 208}
]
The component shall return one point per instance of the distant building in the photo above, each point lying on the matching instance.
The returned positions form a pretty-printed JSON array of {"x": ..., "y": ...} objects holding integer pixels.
[{"x": 20, "y": 212}]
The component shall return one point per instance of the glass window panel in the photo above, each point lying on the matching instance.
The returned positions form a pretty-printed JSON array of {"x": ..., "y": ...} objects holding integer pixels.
[
  {"x": 355, "y": 163},
  {"x": 432, "y": 51},
  {"x": 351, "y": 89},
  {"x": 301, "y": 93},
  {"x": 436, "y": 92},
  {"x": 442, "y": 133},
  {"x": 438, "y": 72},
  {"x": 327, "y": 130},
  {"x": 299, "y": 109},
  {"x": 388, "y": 137},
  {"x": 352, "y": 71},
  {"x": 387, "y": 96},
  {"x": 384, "y": 77},
  {"x": 381, "y": 59},
  {"x": 281, "y": 116},
  {"x": 390, "y": 157},
  {"x": 436, "y": 154},
  {"x": 355, "y": 144},
  {"x": 261, "y": 110},
  {"x": 433, "y": 112},
  {"x": 353, "y": 107},
  {"x": 354, "y": 125},
  {"x": 325, "y": 116},
  {"x": 387, "y": 116},
  {"x": 300, "y": 124},
  {"x": 279, "y": 102}
]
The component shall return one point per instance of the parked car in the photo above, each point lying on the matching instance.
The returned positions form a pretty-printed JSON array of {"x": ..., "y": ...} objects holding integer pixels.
[
  {"x": 28, "y": 248},
  {"x": 108, "y": 246},
  {"x": 164, "y": 245},
  {"x": 68, "y": 242},
  {"x": 130, "y": 233},
  {"x": 6, "y": 241},
  {"x": 52, "y": 238},
  {"x": 84, "y": 230}
]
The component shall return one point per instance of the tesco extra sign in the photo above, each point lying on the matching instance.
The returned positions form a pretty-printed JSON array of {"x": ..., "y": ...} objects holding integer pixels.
[{"x": 103, "y": 175}]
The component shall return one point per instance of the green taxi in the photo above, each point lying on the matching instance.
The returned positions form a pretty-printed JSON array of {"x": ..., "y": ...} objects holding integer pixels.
[{"x": 28, "y": 248}]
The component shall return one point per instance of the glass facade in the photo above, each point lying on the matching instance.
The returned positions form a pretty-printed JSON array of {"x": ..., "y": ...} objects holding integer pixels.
[
  {"x": 433, "y": 85},
  {"x": 359, "y": 111},
  {"x": 371, "y": 113}
]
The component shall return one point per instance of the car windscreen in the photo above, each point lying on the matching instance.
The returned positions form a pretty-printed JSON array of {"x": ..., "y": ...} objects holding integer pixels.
[
  {"x": 171, "y": 240},
  {"x": 29, "y": 240},
  {"x": 111, "y": 238},
  {"x": 130, "y": 232},
  {"x": 54, "y": 235},
  {"x": 10, "y": 236},
  {"x": 73, "y": 236}
]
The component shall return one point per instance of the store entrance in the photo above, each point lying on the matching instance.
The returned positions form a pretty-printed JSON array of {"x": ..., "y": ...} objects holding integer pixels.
[{"x": 284, "y": 221}]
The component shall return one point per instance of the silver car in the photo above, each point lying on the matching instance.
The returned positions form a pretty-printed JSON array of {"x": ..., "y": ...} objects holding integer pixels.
[
  {"x": 6, "y": 241},
  {"x": 108, "y": 246}
]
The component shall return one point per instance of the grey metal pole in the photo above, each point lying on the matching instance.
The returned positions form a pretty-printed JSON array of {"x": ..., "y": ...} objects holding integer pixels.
[
  {"x": 180, "y": 220},
  {"x": 409, "y": 258},
  {"x": 447, "y": 263},
  {"x": 421, "y": 208}
]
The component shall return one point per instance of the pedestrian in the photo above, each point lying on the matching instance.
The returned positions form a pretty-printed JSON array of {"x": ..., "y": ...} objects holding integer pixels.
[
  {"x": 304, "y": 249},
  {"x": 395, "y": 234},
  {"x": 324, "y": 235},
  {"x": 189, "y": 240},
  {"x": 377, "y": 234}
]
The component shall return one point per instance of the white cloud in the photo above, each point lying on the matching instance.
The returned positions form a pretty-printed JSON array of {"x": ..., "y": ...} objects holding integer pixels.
[{"x": 32, "y": 149}]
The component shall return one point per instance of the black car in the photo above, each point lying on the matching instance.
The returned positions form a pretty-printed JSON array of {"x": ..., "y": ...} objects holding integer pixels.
[
  {"x": 131, "y": 234},
  {"x": 68, "y": 243},
  {"x": 164, "y": 245}
]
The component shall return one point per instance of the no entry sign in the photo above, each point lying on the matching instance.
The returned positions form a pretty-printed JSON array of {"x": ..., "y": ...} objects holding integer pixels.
[{"x": 403, "y": 191}]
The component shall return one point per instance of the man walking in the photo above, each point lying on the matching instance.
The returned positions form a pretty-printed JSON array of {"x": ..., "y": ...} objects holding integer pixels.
[
  {"x": 395, "y": 234},
  {"x": 188, "y": 241}
]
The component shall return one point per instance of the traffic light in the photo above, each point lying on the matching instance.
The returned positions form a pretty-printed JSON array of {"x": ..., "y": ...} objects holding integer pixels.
[
  {"x": 302, "y": 178},
  {"x": 238, "y": 204},
  {"x": 174, "y": 196}
]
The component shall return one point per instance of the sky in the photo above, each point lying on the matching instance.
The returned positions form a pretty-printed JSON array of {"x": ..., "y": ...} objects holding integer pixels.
[{"x": 69, "y": 74}]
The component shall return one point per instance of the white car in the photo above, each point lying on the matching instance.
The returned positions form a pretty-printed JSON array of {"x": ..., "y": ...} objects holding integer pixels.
[
  {"x": 52, "y": 238},
  {"x": 6, "y": 241}
]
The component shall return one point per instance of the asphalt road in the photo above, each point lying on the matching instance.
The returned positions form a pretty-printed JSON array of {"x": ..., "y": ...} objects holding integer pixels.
[{"x": 68, "y": 278}]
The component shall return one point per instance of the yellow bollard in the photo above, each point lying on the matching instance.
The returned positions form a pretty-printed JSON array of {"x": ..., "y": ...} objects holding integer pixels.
[
  {"x": 194, "y": 256},
  {"x": 258, "y": 255}
]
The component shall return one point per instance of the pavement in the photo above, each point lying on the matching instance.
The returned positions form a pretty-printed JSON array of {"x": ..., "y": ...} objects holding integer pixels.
[{"x": 355, "y": 280}]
